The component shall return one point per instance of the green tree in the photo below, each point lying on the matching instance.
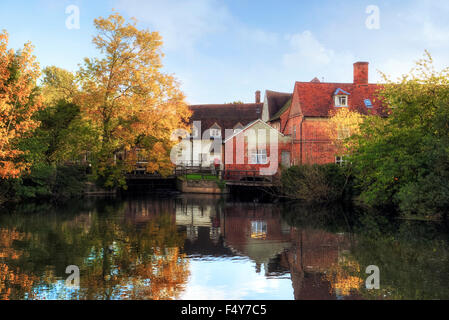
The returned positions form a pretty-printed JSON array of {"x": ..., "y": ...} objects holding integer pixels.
[
  {"x": 58, "y": 84},
  {"x": 403, "y": 160}
]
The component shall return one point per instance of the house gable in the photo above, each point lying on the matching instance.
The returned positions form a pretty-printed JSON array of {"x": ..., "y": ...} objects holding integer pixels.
[{"x": 259, "y": 125}]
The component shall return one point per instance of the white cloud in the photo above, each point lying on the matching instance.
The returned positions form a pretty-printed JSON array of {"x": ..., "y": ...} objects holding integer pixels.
[
  {"x": 306, "y": 50},
  {"x": 182, "y": 23},
  {"x": 307, "y": 55}
]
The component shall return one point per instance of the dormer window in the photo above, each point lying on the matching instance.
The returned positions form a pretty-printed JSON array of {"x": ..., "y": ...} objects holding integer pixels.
[
  {"x": 238, "y": 128},
  {"x": 341, "y": 101},
  {"x": 341, "y": 98},
  {"x": 215, "y": 131}
]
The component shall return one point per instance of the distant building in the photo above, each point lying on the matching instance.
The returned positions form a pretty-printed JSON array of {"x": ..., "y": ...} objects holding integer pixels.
[
  {"x": 216, "y": 122},
  {"x": 299, "y": 118}
]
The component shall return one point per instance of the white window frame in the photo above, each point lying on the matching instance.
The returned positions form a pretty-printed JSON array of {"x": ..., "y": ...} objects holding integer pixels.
[
  {"x": 259, "y": 229},
  {"x": 215, "y": 132},
  {"x": 338, "y": 103},
  {"x": 340, "y": 160},
  {"x": 258, "y": 156}
]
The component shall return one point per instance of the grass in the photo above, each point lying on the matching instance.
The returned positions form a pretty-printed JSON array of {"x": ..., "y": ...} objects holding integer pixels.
[{"x": 208, "y": 177}]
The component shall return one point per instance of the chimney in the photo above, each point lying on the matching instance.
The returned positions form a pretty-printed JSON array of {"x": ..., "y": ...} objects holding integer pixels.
[
  {"x": 361, "y": 72},
  {"x": 257, "y": 96}
]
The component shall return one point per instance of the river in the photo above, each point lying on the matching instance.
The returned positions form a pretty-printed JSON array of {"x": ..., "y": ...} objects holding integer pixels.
[{"x": 198, "y": 247}]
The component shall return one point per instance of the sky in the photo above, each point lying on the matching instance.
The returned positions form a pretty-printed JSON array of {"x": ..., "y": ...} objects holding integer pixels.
[{"x": 224, "y": 50}]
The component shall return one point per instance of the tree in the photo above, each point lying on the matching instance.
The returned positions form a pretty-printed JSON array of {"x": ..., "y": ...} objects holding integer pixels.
[
  {"x": 403, "y": 160},
  {"x": 58, "y": 84},
  {"x": 19, "y": 102},
  {"x": 126, "y": 97},
  {"x": 343, "y": 124}
]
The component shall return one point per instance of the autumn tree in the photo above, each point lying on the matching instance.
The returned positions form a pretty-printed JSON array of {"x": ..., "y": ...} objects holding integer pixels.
[
  {"x": 343, "y": 124},
  {"x": 127, "y": 98},
  {"x": 19, "y": 101}
]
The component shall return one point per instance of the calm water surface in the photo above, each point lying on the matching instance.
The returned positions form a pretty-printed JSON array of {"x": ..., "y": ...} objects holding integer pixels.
[{"x": 201, "y": 247}]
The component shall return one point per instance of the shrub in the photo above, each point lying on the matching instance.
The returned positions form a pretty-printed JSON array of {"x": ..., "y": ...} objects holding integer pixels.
[
  {"x": 46, "y": 182},
  {"x": 316, "y": 183}
]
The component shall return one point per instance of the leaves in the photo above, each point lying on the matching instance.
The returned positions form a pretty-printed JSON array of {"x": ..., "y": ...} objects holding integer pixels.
[
  {"x": 125, "y": 95},
  {"x": 396, "y": 157},
  {"x": 19, "y": 101}
]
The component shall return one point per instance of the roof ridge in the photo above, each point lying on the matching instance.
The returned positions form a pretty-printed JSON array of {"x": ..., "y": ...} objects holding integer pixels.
[
  {"x": 279, "y": 92},
  {"x": 226, "y": 104}
]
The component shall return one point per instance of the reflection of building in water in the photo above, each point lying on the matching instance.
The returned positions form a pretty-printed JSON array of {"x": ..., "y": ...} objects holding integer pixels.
[
  {"x": 194, "y": 212},
  {"x": 217, "y": 229},
  {"x": 258, "y": 232},
  {"x": 314, "y": 253},
  {"x": 198, "y": 216},
  {"x": 141, "y": 210}
]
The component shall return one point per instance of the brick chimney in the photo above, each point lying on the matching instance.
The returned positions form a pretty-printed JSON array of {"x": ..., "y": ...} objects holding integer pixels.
[
  {"x": 257, "y": 96},
  {"x": 361, "y": 72}
]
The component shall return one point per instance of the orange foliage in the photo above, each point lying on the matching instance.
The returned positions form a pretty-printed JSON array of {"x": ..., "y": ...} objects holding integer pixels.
[
  {"x": 12, "y": 277},
  {"x": 126, "y": 96},
  {"x": 343, "y": 277},
  {"x": 17, "y": 104}
]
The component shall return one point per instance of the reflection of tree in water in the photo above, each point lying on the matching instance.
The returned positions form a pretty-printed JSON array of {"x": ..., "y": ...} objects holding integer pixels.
[
  {"x": 14, "y": 283},
  {"x": 135, "y": 264},
  {"x": 117, "y": 258},
  {"x": 413, "y": 257}
]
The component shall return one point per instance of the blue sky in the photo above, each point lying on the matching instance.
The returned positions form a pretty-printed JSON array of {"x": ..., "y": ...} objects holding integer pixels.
[{"x": 223, "y": 51}]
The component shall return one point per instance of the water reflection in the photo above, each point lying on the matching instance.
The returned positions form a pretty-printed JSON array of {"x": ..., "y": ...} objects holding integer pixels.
[{"x": 203, "y": 247}]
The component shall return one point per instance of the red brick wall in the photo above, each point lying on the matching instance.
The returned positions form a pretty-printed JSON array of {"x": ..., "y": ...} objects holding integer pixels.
[
  {"x": 281, "y": 146},
  {"x": 317, "y": 147}
]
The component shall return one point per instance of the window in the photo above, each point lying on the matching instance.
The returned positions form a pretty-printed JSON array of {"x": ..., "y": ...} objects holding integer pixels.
[
  {"x": 238, "y": 128},
  {"x": 294, "y": 132},
  {"x": 368, "y": 103},
  {"x": 340, "y": 160},
  {"x": 341, "y": 101},
  {"x": 215, "y": 133},
  {"x": 258, "y": 157},
  {"x": 258, "y": 229}
]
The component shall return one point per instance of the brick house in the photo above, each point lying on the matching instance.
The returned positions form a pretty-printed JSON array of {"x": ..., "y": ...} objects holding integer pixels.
[
  {"x": 257, "y": 147},
  {"x": 300, "y": 120},
  {"x": 304, "y": 116}
]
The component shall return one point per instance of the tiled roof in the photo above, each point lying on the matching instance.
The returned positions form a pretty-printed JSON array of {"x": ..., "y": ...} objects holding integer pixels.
[
  {"x": 225, "y": 115},
  {"x": 276, "y": 100},
  {"x": 317, "y": 99}
]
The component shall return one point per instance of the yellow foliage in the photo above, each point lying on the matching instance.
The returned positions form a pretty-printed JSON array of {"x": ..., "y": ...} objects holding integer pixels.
[
  {"x": 342, "y": 279},
  {"x": 343, "y": 124},
  {"x": 125, "y": 95}
]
